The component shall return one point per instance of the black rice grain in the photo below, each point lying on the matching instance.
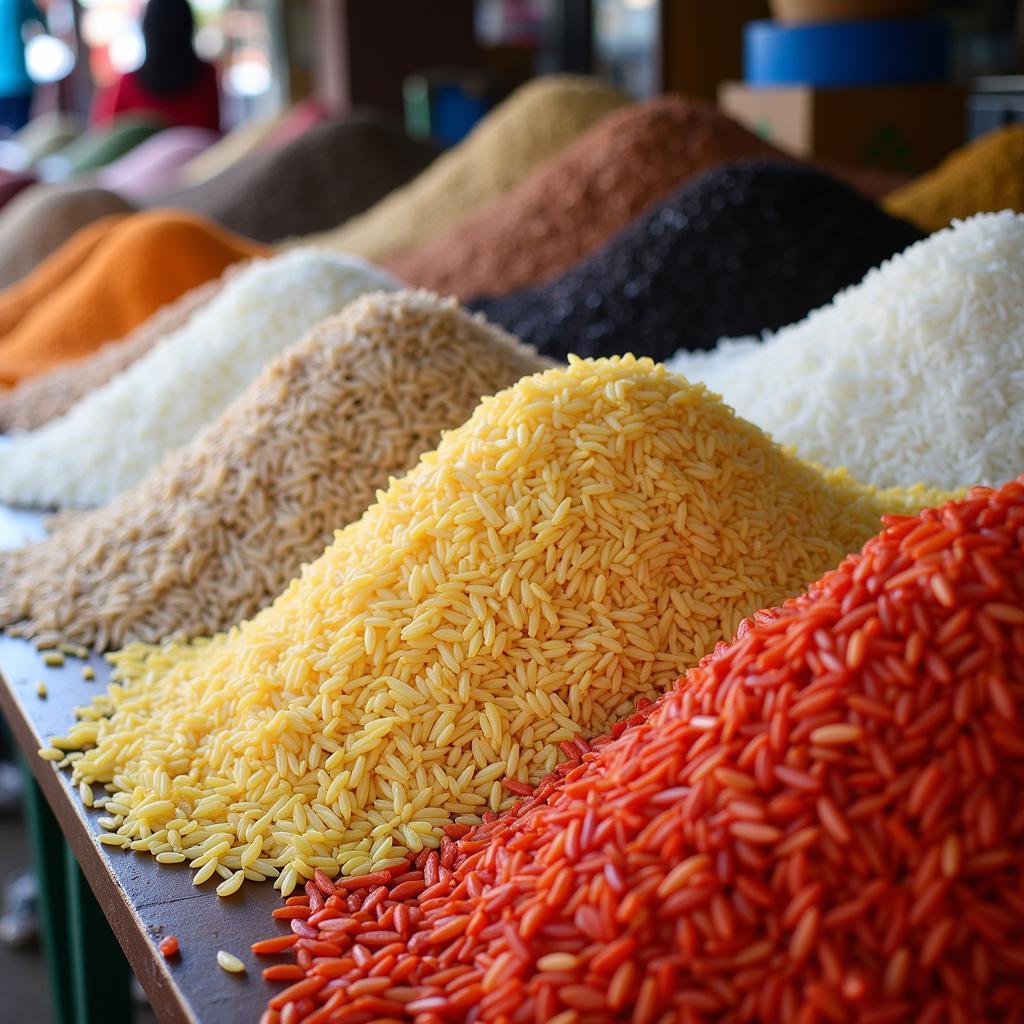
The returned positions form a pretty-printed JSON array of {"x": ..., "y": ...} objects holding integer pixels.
[{"x": 742, "y": 249}]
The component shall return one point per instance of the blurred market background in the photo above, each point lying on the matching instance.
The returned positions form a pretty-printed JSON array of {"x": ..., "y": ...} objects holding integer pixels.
[{"x": 441, "y": 66}]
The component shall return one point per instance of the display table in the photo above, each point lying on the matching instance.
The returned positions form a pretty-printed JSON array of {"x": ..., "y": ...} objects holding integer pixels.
[{"x": 142, "y": 900}]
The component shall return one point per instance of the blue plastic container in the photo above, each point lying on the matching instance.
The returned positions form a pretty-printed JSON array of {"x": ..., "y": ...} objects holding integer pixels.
[{"x": 847, "y": 53}]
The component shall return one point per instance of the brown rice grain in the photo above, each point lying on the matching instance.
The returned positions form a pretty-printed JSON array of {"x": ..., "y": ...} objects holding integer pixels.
[{"x": 223, "y": 523}]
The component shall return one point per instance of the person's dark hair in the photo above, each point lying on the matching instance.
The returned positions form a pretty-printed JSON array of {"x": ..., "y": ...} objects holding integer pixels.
[{"x": 171, "y": 63}]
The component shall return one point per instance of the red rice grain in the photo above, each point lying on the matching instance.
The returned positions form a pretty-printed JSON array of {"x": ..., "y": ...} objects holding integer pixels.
[{"x": 777, "y": 839}]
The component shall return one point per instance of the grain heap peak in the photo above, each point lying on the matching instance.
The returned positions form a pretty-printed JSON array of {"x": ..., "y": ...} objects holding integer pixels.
[
  {"x": 627, "y": 162},
  {"x": 224, "y": 522},
  {"x": 739, "y": 249},
  {"x": 986, "y": 175},
  {"x": 587, "y": 535},
  {"x": 113, "y": 436},
  {"x": 531, "y": 125}
]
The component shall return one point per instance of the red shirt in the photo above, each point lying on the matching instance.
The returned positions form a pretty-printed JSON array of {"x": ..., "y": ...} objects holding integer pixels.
[{"x": 198, "y": 105}]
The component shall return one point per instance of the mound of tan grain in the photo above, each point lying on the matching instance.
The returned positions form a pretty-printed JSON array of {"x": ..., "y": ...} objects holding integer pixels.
[
  {"x": 534, "y": 123},
  {"x": 223, "y": 524}
]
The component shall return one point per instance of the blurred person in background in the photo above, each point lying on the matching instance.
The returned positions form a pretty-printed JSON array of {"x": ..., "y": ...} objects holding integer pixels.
[
  {"x": 173, "y": 82},
  {"x": 15, "y": 84}
]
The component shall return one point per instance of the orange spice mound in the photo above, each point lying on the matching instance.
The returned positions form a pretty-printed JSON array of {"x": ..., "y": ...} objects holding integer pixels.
[
  {"x": 821, "y": 823},
  {"x": 18, "y": 299},
  {"x": 104, "y": 282}
]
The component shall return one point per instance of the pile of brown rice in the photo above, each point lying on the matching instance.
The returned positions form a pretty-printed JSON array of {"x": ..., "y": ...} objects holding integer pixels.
[{"x": 223, "y": 523}]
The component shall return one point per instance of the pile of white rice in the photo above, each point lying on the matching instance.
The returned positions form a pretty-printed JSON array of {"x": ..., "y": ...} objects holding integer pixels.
[
  {"x": 37, "y": 400},
  {"x": 915, "y": 374},
  {"x": 115, "y": 435},
  {"x": 227, "y": 520}
]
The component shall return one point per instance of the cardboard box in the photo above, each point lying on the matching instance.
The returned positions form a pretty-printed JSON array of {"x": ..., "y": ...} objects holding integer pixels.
[{"x": 895, "y": 128}]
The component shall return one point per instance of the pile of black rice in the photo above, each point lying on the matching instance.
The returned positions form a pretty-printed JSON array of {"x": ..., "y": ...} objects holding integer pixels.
[{"x": 745, "y": 248}]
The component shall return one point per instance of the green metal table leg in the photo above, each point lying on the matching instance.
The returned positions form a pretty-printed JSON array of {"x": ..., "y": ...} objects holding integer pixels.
[
  {"x": 46, "y": 848},
  {"x": 90, "y": 979},
  {"x": 100, "y": 974}
]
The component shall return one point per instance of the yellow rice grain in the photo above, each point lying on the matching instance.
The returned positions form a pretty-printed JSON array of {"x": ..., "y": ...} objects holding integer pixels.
[
  {"x": 232, "y": 884},
  {"x": 587, "y": 536},
  {"x": 204, "y": 873},
  {"x": 229, "y": 962}
]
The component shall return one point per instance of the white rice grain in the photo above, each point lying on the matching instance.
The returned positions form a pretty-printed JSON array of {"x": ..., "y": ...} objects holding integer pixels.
[
  {"x": 115, "y": 435},
  {"x": 915, "y": 374}
]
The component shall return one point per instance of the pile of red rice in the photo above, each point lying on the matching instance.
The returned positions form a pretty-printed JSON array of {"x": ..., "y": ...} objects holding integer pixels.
[{"x": 821, "y": 822}]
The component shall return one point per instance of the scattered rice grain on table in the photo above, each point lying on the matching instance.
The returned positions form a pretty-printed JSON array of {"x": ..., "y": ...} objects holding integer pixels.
[
  {"x": 587, "y": 535},
  {"x": 222, "y": 525},
  {"x": 820, "y": 823},
  {"x": 115, "y": 435},
  {"x": 916, "y": 373}
]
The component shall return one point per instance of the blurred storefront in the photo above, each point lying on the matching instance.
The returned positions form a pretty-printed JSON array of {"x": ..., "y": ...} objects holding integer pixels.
[{"x": 444, "y": 65}]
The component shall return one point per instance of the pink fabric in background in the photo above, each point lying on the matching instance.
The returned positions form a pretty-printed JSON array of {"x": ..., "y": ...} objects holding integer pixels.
[{"x": 154, "y": 165}]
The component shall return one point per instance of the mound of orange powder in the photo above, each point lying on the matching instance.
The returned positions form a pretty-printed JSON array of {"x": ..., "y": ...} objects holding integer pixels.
[{"x": 104, "y": 282}]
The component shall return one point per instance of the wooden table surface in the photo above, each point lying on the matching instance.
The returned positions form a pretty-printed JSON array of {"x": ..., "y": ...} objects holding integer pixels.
[{"x": 142, "y": 900}]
